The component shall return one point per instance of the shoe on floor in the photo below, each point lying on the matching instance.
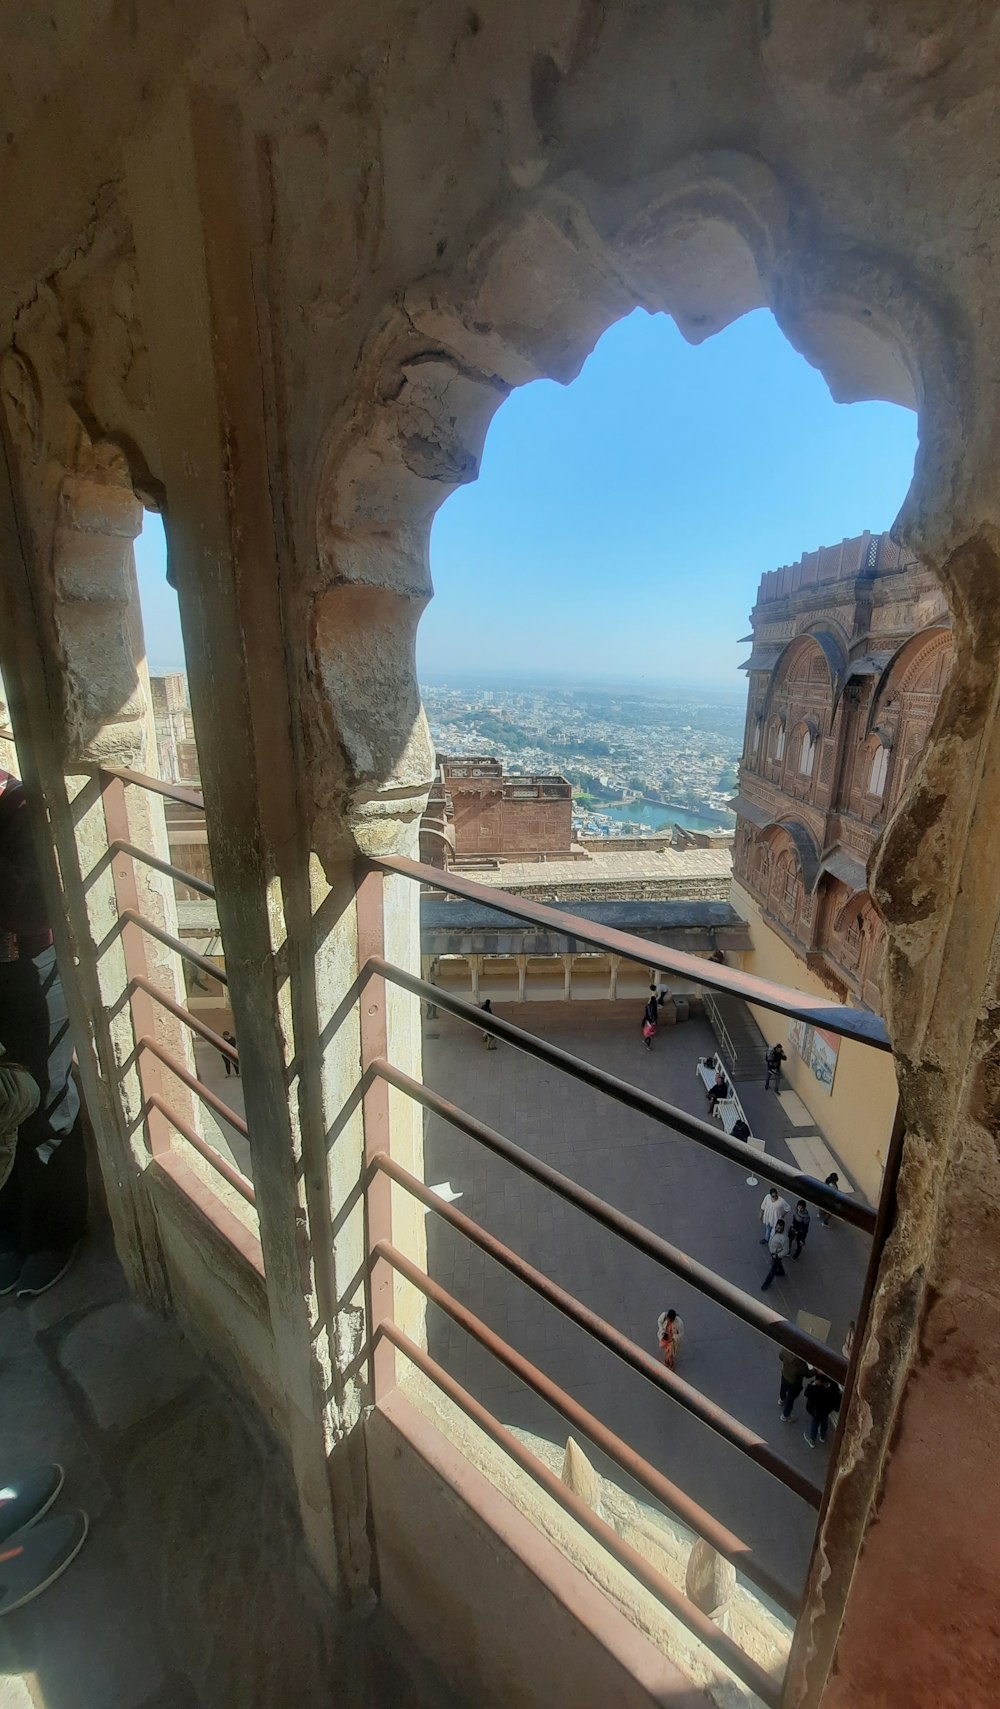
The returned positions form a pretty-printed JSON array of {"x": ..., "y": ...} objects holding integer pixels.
[
  {"x": 32, "y": 1560},
  {"x": 42, "y": 1270},
  {"x": 807, "y": 1438},
  {"x": 11, "y": 1265},
  {"x": 24, "y": 1500}
]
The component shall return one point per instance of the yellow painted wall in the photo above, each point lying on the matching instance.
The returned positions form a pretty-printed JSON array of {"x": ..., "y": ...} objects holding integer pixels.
[{"x": 856, "y": 1118}]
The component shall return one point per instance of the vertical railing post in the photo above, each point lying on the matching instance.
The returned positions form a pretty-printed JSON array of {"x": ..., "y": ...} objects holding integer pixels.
[
  {"x": 380, "y": 1279},
  {"x": 141, "y": 1004}
]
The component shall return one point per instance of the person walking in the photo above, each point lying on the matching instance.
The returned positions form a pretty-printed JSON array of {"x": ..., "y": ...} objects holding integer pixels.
[
  {"x": 822, "y": 1398},
  {"x": 794, "y": 1372},
  {"x": 778, "y": 1248},
  {"x": 775, "y": 1057},
  {"x": 772, "y": 1207},
  {"x": 832, "y": 1180},
  {"x": 43, "y": 1206},
  {"x": 799, "y": 1231},
  {"x": 232, "y": 1067},
  {"x": 670, "y": 1329},
  {"x": 488, "y": 1038}
]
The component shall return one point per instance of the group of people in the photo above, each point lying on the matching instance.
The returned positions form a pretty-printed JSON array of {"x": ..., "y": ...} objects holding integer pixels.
[
  {"x": 785, "y": 1232},
  {"x": 823, "y": 1395}
]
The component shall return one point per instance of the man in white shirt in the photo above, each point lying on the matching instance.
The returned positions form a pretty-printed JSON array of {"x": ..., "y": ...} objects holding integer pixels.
[
  {"x": 778, "y": 1248},
  {"x": 772, "y": 1207}
]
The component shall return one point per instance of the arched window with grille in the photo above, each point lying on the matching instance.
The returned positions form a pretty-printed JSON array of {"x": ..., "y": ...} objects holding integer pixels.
[{"x": 807, "y": 754}]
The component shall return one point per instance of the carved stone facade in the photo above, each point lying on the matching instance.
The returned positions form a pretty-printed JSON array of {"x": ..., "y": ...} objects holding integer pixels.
[{"x": 851, "y": 653}]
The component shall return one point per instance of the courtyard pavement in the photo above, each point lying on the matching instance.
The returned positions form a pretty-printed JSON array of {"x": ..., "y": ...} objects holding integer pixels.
[{"x": 693, "y": 1198}]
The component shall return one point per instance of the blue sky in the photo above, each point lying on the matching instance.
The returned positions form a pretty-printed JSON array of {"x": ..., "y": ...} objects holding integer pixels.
[{"x": 620, "y": 525}]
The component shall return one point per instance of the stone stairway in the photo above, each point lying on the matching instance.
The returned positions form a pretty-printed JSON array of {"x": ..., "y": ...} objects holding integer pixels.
[{"x": 742, "y": 1045}]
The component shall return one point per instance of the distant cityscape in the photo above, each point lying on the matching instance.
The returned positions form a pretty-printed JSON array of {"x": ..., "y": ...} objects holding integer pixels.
[{"x": 639, "y": 759}]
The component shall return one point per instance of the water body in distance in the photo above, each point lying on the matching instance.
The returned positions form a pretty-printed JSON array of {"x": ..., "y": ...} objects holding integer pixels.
[{"x": 661, "y": 818}]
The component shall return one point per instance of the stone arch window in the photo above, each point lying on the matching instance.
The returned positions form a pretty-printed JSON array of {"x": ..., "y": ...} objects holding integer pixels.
[
  {"x": 806, "y": 758},
  {"x": 784, "y": 887},
  {"x": 779, "y": 746},
  {"x": 761, "y": 867}
]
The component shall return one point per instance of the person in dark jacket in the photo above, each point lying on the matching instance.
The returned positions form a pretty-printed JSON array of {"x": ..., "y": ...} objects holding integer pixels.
[
  {"x": 822, "y": 1398},
  {"x": 43, "y": 1206},
  {"x": 719, "y": 1089},
  {"x": 794, "y": 1372},
  {"x": 775, "y": 1057},
  {"x": 799, "y": 1232}
]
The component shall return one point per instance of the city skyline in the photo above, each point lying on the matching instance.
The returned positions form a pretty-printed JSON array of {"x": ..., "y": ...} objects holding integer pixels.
[{"x": 589, "y": 514}]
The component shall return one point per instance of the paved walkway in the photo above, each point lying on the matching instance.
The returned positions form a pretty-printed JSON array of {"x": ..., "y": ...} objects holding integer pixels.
[{"x": 697, "y": 1200}]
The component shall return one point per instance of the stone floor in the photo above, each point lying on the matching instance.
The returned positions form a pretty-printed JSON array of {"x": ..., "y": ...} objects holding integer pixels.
[
  {"x": 192, "y": 1590},
  {"x": 697, "y": 1200}
]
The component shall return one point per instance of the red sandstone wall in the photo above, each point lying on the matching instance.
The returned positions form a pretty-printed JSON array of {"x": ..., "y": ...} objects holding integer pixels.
[{"x": 537, "y": 827}]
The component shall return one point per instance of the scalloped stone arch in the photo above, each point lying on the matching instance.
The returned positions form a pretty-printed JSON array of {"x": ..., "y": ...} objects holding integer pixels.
[{"x": 704, "y": 242}]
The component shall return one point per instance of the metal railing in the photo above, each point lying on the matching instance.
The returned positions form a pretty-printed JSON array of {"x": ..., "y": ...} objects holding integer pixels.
[
  {"x": 383, "y": 1172},
  {"x": 721, "y": 1032},
  {"x": 146, "y": 995},
  {"x": 376, "y": 974}
]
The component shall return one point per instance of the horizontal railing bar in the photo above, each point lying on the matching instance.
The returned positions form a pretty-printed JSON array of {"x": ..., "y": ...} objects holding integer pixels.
[
  {"x": 173, "y": 791},
  {"x": 190, "y": 1080},
  {"x": 681, "y": 1505},
  {"x": 221, "y": 1164},
  {"x": 207, "y": 1033},
  {"x": 857, "y": 1024},
  {"x": 644, "y": 1103},
  {"x": 726, "y": 1294},
  {"x": 165, "y": 866},
  {"x": 178, "y": 947},
  {"x": 685, "y": 1394},
  {"x": 687, "y": 1612}
]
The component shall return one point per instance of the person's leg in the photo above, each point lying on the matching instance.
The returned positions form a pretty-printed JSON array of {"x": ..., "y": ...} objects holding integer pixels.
[
  {"x": 227, "y": 1065},
  {"x": 791, "y": 1395},
  {"x": 769, "y": 1278},
  {"x": 811, "y": 1430},
  {"x": 824, "y": 1425}
]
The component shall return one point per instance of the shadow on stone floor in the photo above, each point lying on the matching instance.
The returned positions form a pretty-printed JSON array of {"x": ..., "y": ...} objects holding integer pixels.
[{"x": 192, "y": 1590}]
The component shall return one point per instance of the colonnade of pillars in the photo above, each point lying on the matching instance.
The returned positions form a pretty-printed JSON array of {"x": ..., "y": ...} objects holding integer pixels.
[{"x": 478, "y": 969}]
